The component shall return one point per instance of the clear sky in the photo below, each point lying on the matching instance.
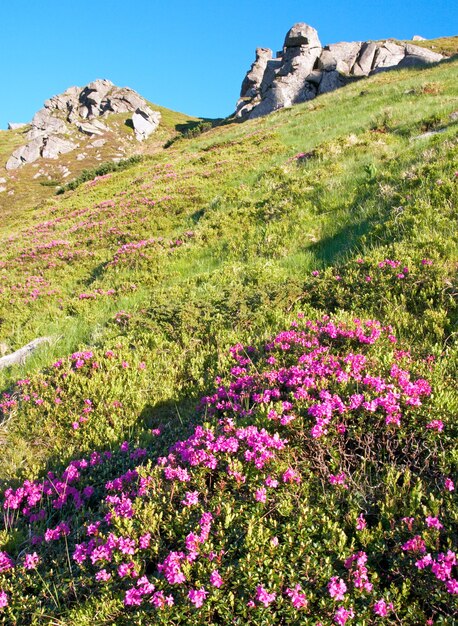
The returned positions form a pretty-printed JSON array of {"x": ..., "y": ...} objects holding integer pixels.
[{"x": 188, "y": 55}]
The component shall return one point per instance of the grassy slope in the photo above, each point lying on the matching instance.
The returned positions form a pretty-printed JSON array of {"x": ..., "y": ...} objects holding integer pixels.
[
  {"x": 251, "y": 222},
  {"x": 38, "y": 181},
  {"x": 259, "y": 220}
]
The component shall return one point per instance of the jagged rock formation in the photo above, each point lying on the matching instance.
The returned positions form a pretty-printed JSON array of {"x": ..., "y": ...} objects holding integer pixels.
[
  {"x": 76, "y": 113},
  {"x": 305, "y": 69}
]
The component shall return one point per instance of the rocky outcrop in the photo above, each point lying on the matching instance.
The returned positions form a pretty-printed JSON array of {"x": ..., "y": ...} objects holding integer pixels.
[
  {"x": 75, "y": 114},
  {"x": 304, "y": 69}
]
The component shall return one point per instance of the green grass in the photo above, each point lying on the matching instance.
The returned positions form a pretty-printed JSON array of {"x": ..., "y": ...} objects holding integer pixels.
[{"x": 253, "y": 220}]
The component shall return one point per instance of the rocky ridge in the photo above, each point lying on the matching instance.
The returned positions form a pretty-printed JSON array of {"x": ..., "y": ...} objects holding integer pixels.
[
  {"x": 76, "y": 114},
  {"x": 304, "y": 69}
]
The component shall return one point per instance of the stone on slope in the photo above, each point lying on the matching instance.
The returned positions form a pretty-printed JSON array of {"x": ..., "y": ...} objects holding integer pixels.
[
  {"x": 25, "y": 154},
  {"x": 365, "y": 60},
  {"x": 389, "y": 54},
  {"x": 44, "y": 123},
  {"x": 145, "y": 121},
  {"x": 416, "y": 56},
  {"x": 94, "y": 127},
  {"x": 54, "y": 145},
  {"x": 342, "y": 56}
]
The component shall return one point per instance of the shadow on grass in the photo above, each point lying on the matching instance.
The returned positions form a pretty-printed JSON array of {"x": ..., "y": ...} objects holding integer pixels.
[{"x": 336, "y": 247}]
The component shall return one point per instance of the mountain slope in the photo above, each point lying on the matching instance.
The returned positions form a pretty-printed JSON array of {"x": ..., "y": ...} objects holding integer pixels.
[{"x": 149, "y": 275}]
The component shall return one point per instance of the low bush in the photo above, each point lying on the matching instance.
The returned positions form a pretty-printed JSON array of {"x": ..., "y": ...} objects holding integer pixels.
[{"x": 317, "y": 488}]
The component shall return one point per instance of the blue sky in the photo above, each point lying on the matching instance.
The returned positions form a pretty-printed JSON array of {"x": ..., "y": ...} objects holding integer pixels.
[{"x": 186, "y": 55}]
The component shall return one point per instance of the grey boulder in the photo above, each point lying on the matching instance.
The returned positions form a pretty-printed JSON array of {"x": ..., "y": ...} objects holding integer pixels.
[
  {"x": 54, "y": 145},
  {"x": 145, "y": 121}
]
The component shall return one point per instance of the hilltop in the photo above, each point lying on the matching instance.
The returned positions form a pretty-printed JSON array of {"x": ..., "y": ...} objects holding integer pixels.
[{"x": 246, "y": 411}]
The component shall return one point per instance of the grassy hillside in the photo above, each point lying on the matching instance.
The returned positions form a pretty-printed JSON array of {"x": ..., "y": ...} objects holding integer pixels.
[
  {"x": 144, "y": 279},
  {"x": 38, "y": 181}
]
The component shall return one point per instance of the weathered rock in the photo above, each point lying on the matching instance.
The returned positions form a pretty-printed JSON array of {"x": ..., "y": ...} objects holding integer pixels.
[
  {"x": 145, "y": 122},
  {"x": 416, "y": 56},
  {"x": 94, "y": 127},
  {"x": 302, "y": 34},
  {"x": 2, "y": 189},
  {"x": 98, "y": 143},
  {"x": 389, "y": 54},
  {"x": 344, "y": 56},
  {"x": 2, "y": 181},
  {"x": 79, "y": 109},
  {"x": 122, "y": 101},
  {"x": 16, "y": 125},
  {"x": 21, "y": 355},
  {"x": 418, "y": 38},
  {"x": 25, "y": 154},
  {"x": 331, "y": 81},
  {"x": 252, "y": 81},
  {"x": 303, "y": 69},
  {"x": 365, "y": 60},
  {"x": 54, "y": 145},
  {"x": 429, "y": 133}
]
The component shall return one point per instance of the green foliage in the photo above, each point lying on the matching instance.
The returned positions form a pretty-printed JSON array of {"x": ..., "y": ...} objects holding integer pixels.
[
  {"x": 101, "y": 170},
  {"x": 221, "y": 240},
  {"x": 194, "y": 130}
]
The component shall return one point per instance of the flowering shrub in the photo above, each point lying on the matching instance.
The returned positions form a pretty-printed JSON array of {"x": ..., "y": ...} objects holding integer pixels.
[
  {"x": 312, "y": 491},
  {"x": 417, "y": 289}
]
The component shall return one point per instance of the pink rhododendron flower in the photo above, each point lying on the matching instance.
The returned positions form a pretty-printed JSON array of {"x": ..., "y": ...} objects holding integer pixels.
[
  {"x": 449, "y": 484},
  {"x": 271, "y": 482},
  {"x": 433, "y": 522},
  {"x": 416, "y": 544},
  {"x": 452, "y": 586},
  {"x": 338, "y": 479},
  {"x": 436, "y": 425},
  {"x": 103, "y": 575},
  {"x": 297, "y": 596},
  {"x": 31, "y": 560},
  {"x": 215, "y": 579},
  {"x": 197, "y": 596},
  {"x": 381, "y": 608},
  {"x": 264, "y": 597},
  {"x": 291, "y": 476},
  {"x": 342, "y": 615},
  {"x": 337, "y": 588},
  {"x": 361, "y": 523},
  {"x": 191, "y": 498},
  {"x": 3, "y": 599},
  {"x": 260, "y": 495}
]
